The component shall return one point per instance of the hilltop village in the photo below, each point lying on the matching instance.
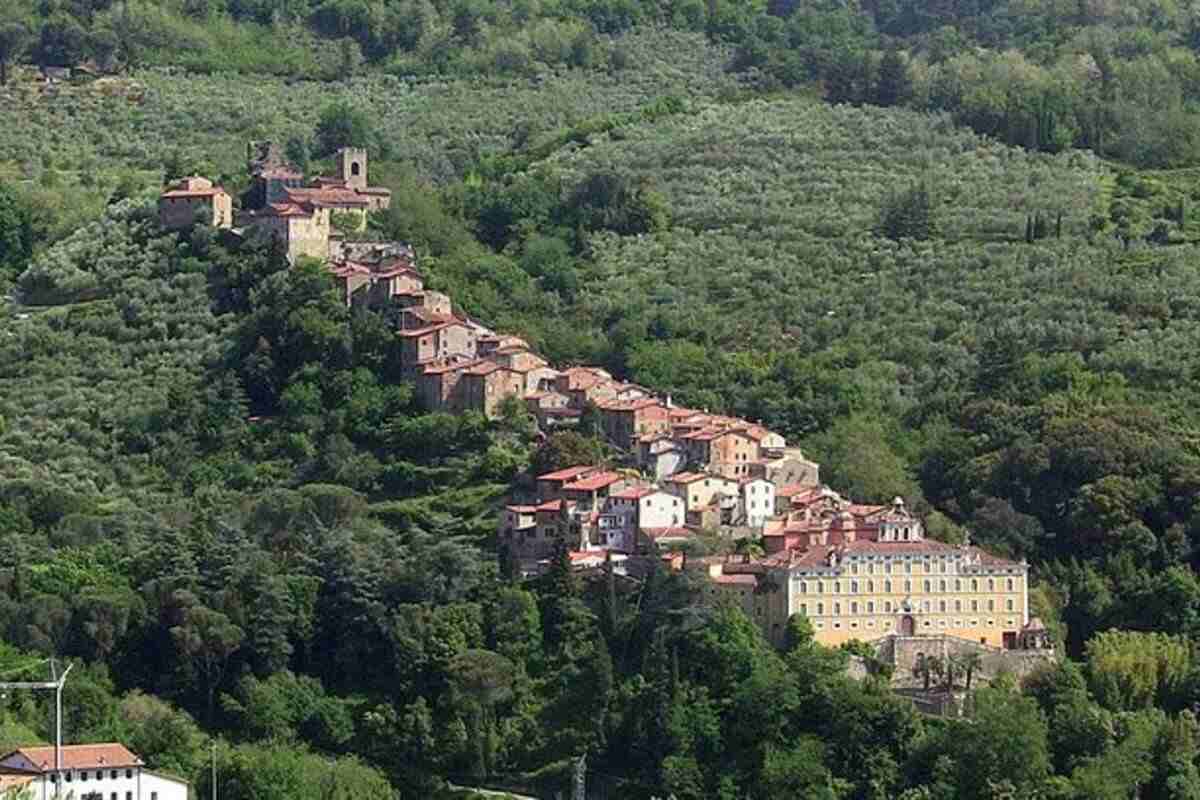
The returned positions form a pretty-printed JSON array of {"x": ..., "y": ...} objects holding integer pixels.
[{"x": 856, "y": 571}]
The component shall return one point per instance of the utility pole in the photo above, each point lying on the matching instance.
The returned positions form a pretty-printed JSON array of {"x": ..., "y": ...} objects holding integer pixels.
[
  {"x": 214, "y": 771},
  {"x": 56, "y": 683}
]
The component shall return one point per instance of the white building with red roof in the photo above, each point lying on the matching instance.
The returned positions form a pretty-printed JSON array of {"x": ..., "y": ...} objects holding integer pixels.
[{"x": 101, "y": 771}]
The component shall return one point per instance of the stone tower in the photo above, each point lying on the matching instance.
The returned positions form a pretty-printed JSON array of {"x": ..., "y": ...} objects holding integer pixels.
[{"x": 352, "y": 167}]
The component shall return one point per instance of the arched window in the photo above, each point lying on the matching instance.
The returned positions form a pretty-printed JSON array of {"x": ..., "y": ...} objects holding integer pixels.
[
  {"x": 870, "y": 587},
  {"x": 941, "y": 585},
  {"x": 1010, "y": 584},
  {"x": 958, "y": 584},
  {"x": 887, "y": 586},
  {"x": 942, "y": 606},
  {"x": 854, "y": 607},
  {"x": 974, "y": 584},
  {"x": 820, "y": 608},
  {"x": 907, "y": 586},
  {"x": 355, "y": 168},
  {"x": 928, "y": 586},
  {"x": 991, "y": 584}
]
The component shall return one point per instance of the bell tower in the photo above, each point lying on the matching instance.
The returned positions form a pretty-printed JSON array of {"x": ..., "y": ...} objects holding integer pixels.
[{"x": 352, "y": 167}]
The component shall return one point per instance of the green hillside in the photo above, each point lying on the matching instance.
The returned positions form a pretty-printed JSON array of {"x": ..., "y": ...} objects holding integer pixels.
[{"x": 949, "y": 249}]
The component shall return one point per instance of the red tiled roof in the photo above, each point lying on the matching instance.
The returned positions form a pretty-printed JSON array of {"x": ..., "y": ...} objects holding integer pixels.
[
  {"x": 591, "y": 483},
  {"x": 566, "y": 474},
  {"x": 80, "y": 756},
  {"x": 522, "y": 509},
  {"x": 635, "y": 493},
  {"x": 736, "y": 580},
  {"x": 439, "y": 369},
  {"x": 686, "y": 477},
  {"x": 551, "y": 505},
  {"x": 437, "y": 326},
  {"x": 180, "y": 193},
  {"x": 286, "y": 210},
  {"x": 327, "y": 195}
]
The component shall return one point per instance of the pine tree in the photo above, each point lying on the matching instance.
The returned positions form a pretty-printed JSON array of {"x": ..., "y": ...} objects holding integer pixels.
[{"x": 895, "y": 84}]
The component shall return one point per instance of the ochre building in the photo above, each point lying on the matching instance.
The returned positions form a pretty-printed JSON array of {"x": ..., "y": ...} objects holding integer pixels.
[{"x": 862, "y": 572}]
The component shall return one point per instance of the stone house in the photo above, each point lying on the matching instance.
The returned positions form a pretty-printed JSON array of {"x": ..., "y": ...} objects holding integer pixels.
[
  {"x": 550, "y": 485},
  {"x": 624, "y": 423},
  {"x": 303, "y": 229},
  {"x": 434, "y": 340},
  {"x": 786, "y": 466},
  {"x": 491, "y": 343},
  {"x": 437, "y": 383},
  {"x": 589, "y": 492},
  {"x": 585, "y": 385},
  {"x": 184, "y": 200},
  {"x": 729, "y": 451},
  {"x": 486, "y": 384}
]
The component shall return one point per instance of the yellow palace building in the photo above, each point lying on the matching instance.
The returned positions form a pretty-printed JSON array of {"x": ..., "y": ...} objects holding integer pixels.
[{"x": 862, "y": 572}]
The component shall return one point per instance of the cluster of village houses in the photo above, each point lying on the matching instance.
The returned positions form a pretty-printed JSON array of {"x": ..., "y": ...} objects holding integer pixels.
[{"x": 856, "y": 571}]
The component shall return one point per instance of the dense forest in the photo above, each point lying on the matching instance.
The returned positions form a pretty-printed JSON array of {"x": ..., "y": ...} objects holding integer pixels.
[{"x": 948, "y": 248}]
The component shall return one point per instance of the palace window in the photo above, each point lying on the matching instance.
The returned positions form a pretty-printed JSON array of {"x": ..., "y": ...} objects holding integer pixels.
[
  {"x": 854, "y": 607},
  {"x": 1011, "y": 585},
  {"x": 853, "y": 587},
  {"x": 837, "y": 609},
  {"x": 958, "y": 584},
  {"x": 925, "y": 606},
  {"x": 887, "y": 606},
  {"x": 991, "y": 605},
  {"x": 887, "y": 587},
  {"x": 958, "y": 605},
  {"x": 870, "y": 587},
  {"x": 1008, "y": 604},
  {"x": 941, "y": 585},
  {"x": 820, "y": 608},
  {"x": 974, "y": 605},
  {"x": 870, "y": 606},
  {"x": 942, "y": 606},
  {"x": 907, "y": 586},
  {"x": 974, "y": 585},
  {"x": 928, "y": 586},
  {"x": 991, "y": 584}
]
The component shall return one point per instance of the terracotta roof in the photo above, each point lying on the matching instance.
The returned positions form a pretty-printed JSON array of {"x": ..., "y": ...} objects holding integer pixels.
[
  {"x": 286, "y": 210},
  {"x": 80, "y": 756},
  {"x": 591, "y": 483},
  {"x": 686, "y": 477},
  {"x": 567, "y": 474},
  {"x": 551, "y": 505},
  {"x": 635, "y": 492},
  {"x": 439, "y": 369},
  {"x": 484, "y": 368},
  {"x": 327, "y": 195},
  {"x": 522, "y": 509},
  {"x": 437, "y": 326},
  {"x": 736, "y": 580},
  {"x": 174, "y": 193}
]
